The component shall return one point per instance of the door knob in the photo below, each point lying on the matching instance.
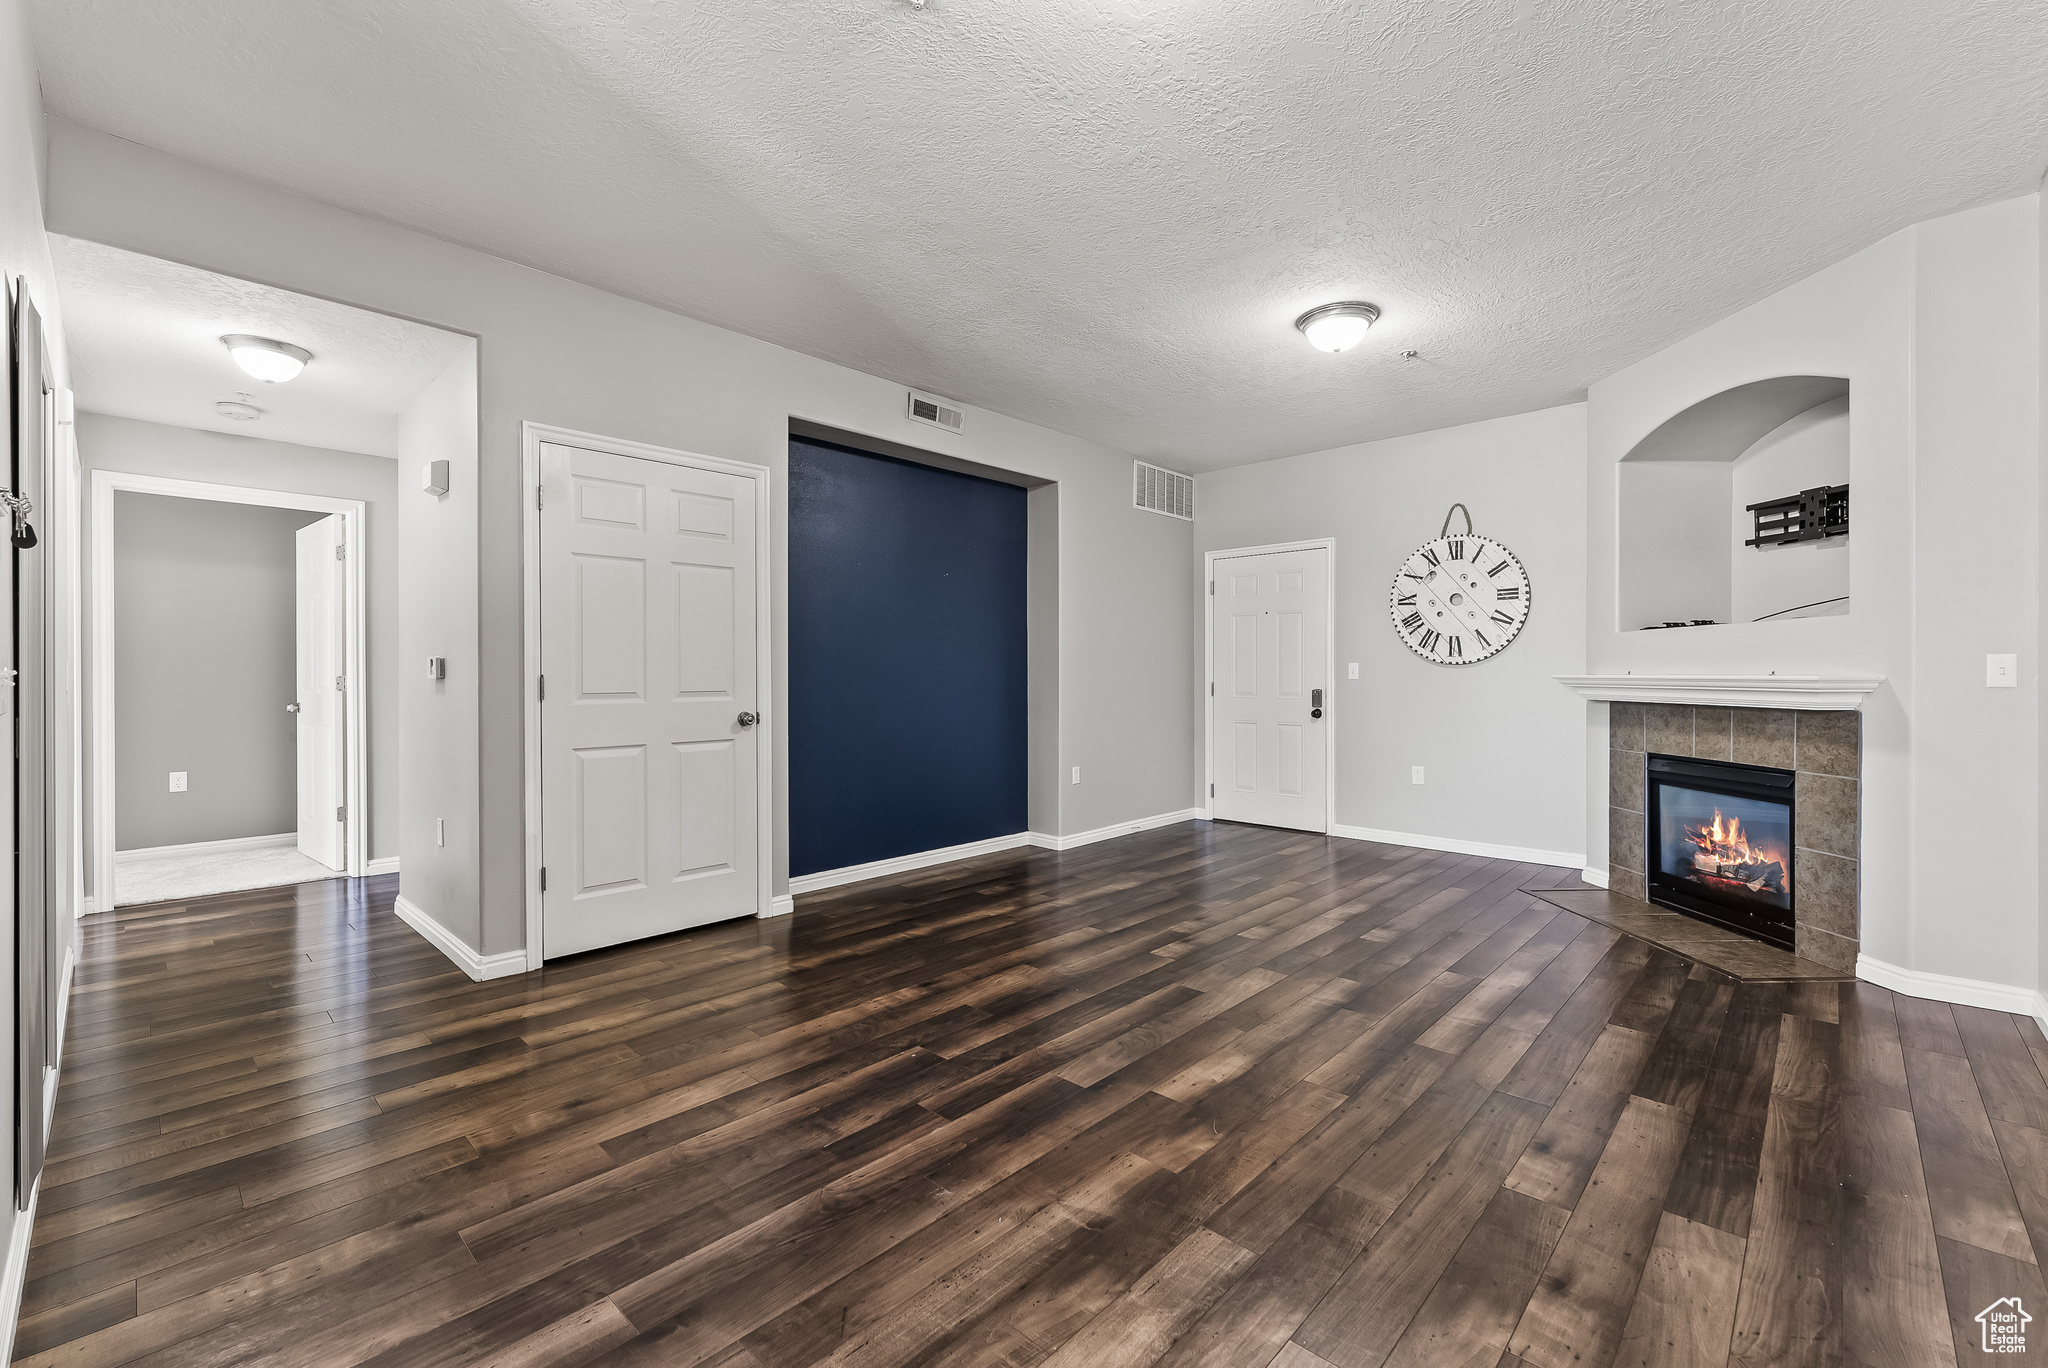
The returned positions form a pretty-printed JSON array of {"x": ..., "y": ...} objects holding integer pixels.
[
  {"x": 291, "y": 707},
  {"x": 748, "y": 719}
]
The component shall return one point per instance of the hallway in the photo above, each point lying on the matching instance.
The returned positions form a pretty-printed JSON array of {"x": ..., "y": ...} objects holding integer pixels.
[{"x": 1207, "y": 1095}]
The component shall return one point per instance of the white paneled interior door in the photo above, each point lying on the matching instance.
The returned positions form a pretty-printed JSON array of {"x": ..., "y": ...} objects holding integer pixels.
[
  {"x": 649, "y": 819},
  {"x": 1270, "y": 638},
  {"x": 322, "y": 716}
]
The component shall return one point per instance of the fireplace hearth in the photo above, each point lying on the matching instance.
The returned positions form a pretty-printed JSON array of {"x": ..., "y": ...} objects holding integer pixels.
[{"x": 1720, "y": 841}]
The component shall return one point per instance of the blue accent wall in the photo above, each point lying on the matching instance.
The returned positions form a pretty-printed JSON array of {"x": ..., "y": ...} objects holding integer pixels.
[{"x": 906, "y": 658}]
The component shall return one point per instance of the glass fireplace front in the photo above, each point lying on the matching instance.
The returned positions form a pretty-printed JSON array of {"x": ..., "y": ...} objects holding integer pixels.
[{"x": 1720, "y": 841}]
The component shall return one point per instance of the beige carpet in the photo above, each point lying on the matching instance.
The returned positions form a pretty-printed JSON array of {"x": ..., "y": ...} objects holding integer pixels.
[{"x": 164, "y": 878}]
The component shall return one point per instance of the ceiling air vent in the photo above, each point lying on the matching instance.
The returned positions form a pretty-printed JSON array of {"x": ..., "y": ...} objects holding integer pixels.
[
  {"x": 1157, "y": 490},
  {"x": 939, "y": 413}
]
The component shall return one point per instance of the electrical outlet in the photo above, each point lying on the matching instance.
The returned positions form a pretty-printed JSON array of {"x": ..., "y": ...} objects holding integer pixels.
[
  {"x": 177, "y": 781},
  {"x": 440, "y": 831},
  {"x": 2001, "y": 672},
  {"x": 1077, "y": 774},
  {"x": 1415, "y": 775},
  {"x": 1353, "y": 669}
]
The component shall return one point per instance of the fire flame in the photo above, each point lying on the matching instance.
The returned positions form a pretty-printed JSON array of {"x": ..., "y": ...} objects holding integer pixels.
[{"x": 1724, "y": 850}]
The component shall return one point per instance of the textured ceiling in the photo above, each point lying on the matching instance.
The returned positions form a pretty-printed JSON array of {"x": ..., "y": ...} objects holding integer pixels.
[
  {"x": 1103, "y": 215},
  {"x": 144, "y": 341}
]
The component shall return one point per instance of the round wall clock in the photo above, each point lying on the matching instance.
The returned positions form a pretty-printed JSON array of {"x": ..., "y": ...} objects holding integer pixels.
[{"x": 1459, "y": 600}]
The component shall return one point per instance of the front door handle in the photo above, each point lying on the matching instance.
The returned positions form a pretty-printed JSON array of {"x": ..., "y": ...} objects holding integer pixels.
[
  {"x": 748, "y": 719},
  {"x": 291, "y": 707},
  {"x": 1315, "y": 703}
]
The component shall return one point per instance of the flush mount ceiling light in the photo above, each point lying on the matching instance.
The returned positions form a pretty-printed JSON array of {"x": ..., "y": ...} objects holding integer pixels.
[
  {"x": 266, "y": 359},
  {"x": 1334, "y": 327}
]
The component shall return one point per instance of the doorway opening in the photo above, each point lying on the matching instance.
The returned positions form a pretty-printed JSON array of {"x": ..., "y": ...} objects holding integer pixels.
[
  {"x": 228, "y": 746},
  {"x": 252, "y": 459}
]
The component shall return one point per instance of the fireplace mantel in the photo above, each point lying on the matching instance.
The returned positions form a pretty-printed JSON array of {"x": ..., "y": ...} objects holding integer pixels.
[{"x": 1817, "y": 692}]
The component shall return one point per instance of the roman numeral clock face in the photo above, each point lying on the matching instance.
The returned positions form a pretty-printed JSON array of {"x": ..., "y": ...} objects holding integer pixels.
[{"x": 1458, "y": 600}]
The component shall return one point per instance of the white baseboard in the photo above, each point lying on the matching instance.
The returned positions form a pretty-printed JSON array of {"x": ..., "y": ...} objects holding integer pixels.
[
  {"x": 925, "y": 859},
  {"x": 282, "y": 838},
  {"x": 14, "y": 1271},
  {"x": 1996, "y": 997},
  {"x": 903, "y": 864},
  {"x": 1081, "y": 838},
  {"x": 14, "y": 1274},
  {"x": 781, "y": 905},
  {"x": 383, "y": 864},
  {"x": 1595, "y": 877},
  {"x": 478, "y": 967},
  {"x": 1519, "y": 854},
  {"x": 87, "y": 906}
]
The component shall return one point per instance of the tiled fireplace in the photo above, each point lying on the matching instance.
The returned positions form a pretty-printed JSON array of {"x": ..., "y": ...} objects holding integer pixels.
[{"x": 1822, "y": 750}]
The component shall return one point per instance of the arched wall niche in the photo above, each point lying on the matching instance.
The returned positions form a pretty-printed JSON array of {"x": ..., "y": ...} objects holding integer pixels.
[{"x": 1684, "y": 492}]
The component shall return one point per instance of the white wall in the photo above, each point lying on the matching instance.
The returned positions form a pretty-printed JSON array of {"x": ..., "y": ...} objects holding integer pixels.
[
  {"x": 438, "y": 733},
  {"x": 25, "y": 254},
  {"x": 562, "y": 353},
  {"x": 1673, "y": 530},
  {"x": 205, "y": 656},
  {"x": 1974, "y": 865},
  {"x": 1937, "y": 329},
  {"x": 1802, "y": 453},
  {"x": 140, "y": 448},
  {"x": 1500, "y": 740}
]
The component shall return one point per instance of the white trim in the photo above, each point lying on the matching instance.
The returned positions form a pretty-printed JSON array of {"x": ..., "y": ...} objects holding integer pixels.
[
  {"x": 1205, "y": 596},
  {"x": 1519, "y": 854},
  {"x": 1918, "y": 983},
  {"x": 14, "y": 1271},
  {"x": 383, "y": 864},
  {"x": 1595, "y": 877},
  {"x": 14, "y": 1274},
  {"x": 532, "y": 435},
  {"x": 781, "y": 905},
  {"x": 478, "y": 967},
  {"x": 355, "y": 793},
  {"x": 1081, "y": 838},
  {"x": 1820, "y": 692},
  {"x": 88, "y": 906},
  {"x": 903, "y": 864},
  {"x": 282, "y": 838}
]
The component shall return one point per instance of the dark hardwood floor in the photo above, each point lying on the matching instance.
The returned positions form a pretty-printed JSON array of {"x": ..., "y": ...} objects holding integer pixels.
[{"x": 1208, "y": 1095}]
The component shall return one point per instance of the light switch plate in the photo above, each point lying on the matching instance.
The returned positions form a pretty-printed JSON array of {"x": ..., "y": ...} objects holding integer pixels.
[
  {"x": 177, "y": 781},
  {"x": 2001, "y": 672},
  {"x": 1415, "y": 775},
  {"x": 1353, "y": 668}
]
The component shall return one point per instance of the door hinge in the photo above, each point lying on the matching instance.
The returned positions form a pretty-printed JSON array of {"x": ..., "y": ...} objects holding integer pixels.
[
  {"x": 1212, "y": 790},
  {"x": 1212, "y": 688},
  {"x": 540, "y": 494},
  {"x": 341, "y": 814},
  {"x": 543, "y": 878},
  {"x": 341, "y": 553},
  {"x": 543, "y": 688},
  {"x": 1212, "y": 588},
  {"x": 340, "y": 682}
]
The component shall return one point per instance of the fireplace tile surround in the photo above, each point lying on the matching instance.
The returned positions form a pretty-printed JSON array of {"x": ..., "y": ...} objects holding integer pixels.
[{"x": 1824, "y": 749}]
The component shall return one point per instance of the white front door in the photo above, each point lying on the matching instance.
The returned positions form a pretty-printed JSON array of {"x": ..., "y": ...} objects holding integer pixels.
[
  {"x": 649, "y": 821},
  {"x": 1271, "y": 671},
  {"x": 322, "y": 720}
]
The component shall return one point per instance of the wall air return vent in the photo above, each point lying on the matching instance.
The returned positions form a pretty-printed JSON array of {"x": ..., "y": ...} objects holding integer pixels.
[
  {"x": 936, "y": 412},
  {"x": 1157, "y": 490}
]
